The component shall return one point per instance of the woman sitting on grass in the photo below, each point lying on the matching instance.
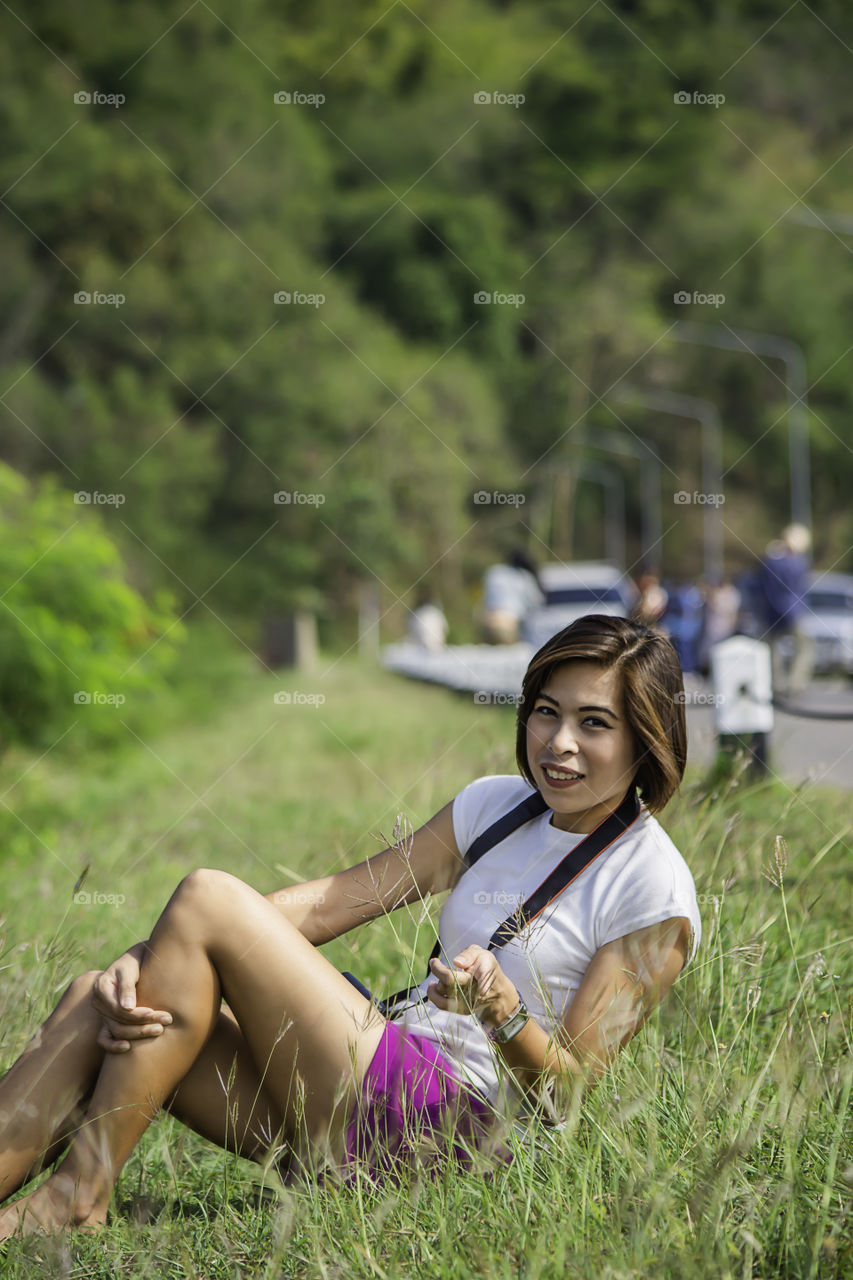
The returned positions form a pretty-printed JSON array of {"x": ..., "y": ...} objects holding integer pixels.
[{"x": 302, "y": 1068}]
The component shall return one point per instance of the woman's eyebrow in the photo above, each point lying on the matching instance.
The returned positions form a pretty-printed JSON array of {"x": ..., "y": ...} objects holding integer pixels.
[{"x": 606, "y": 710}]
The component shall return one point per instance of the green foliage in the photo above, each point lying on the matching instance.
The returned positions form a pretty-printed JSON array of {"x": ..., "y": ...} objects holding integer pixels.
[
  {"x": 398, "y": 199},
  {"x": 77, "y": 641}
]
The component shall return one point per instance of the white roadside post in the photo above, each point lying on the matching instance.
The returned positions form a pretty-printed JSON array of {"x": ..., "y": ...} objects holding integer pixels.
[{"x": 743, "y": 701}]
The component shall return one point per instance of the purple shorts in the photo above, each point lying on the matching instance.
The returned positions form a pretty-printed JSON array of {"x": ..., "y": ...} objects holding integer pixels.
[{"x": 413, "y": 1106}]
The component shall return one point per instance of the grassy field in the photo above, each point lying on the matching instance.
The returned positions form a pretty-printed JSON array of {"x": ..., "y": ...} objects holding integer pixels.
[{"x": 720, "y": 1144}]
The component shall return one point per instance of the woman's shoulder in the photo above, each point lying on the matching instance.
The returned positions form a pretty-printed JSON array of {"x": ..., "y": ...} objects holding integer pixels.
[
  {"x": 496, "y": 784},
  {"x": 654, "y": 833},
  {"x": 645, "y": 864},
  {"x": 647, "y": 882},
  {"x": 494, "y": 789},
  {"x": 483, "y": 801},
  {"x": 651, "y": 848}
]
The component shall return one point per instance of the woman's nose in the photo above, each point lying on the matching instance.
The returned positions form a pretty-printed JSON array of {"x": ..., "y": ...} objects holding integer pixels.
[{"x": 563, "y": 740}]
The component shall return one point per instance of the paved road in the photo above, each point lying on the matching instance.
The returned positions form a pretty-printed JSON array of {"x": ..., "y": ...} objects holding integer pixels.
[{"x": 800, "y": 748}]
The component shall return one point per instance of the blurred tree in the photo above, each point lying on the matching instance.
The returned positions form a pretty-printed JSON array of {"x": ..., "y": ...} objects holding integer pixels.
[
  {"x": 77, "y": 642},
  {"x": 398, "y": 199}
]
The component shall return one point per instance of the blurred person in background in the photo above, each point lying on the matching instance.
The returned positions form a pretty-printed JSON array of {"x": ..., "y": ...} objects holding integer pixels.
[
  {"x": 510, "y": 590},
  {"x": 783, "y": 578},
  {"x": 684, "y": 621},
  {"x": 651, "y": 601},
  {"x": 722, "y": 614},
  {"x": 427, "y": 624}
]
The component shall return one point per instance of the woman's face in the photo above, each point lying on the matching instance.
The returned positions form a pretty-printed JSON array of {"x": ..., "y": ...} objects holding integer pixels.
[{"x": 577, "y": 726}]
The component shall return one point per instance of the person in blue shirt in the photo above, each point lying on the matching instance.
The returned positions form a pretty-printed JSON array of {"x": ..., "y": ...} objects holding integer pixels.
[{"x": 784, "y": 579}]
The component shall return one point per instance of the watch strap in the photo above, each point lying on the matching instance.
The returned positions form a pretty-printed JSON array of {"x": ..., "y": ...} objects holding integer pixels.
[{"x": 511, "y": 1026}]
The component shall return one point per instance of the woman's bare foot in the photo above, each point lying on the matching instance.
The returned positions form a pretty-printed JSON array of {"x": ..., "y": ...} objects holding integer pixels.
[{"x": 57, "y": 1204}]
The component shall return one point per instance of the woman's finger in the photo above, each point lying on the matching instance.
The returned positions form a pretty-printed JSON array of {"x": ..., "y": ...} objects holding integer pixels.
[
  {"x": 134, "y": 1017},
  {"x": 101, "y": 989},
  {"x": 125, "y": 989},
  {"x": 131, "y": 1017},
  {"x": 109, "y": 1044},
  {"x": 449, "y": 1003},
  {"x": 124, "y": 1031}
]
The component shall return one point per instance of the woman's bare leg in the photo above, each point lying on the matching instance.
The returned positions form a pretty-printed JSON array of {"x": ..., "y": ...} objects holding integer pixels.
[
  {"x": 43, "y": 1089},
  {"x": 41, "y": 1095},
  {"x": 309, "y": 1030}
]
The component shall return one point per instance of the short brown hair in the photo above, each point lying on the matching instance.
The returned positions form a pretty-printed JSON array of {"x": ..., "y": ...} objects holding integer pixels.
[{"x": 652, "y": 691}]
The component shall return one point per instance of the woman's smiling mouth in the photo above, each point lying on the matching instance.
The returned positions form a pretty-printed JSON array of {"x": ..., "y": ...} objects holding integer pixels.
[{"x": 560, "y": 777}]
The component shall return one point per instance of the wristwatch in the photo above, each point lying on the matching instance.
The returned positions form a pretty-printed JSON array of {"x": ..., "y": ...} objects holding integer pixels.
[{"x": 510, "y": 1026}]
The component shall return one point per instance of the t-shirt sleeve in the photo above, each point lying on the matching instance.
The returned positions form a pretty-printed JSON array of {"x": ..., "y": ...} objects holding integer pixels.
[
  {"x": 481, "y": 803},
  {"x": 661, "y": 890}
]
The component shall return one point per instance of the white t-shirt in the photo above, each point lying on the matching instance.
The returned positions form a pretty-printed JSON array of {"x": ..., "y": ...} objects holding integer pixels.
[{"x": 641, "y": 879}]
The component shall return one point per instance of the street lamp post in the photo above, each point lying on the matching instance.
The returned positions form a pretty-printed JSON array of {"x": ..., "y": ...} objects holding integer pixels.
[
  {"x": 791, "y": 355},
  {"x": 707, "y": 415},
  {"x": 610, "y": 478}
]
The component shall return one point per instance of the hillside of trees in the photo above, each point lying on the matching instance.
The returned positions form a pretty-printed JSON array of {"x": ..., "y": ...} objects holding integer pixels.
[{"x": 661, "y": 148}]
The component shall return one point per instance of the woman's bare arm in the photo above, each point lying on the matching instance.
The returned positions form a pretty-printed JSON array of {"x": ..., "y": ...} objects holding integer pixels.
[
  {"x": 428, "y": 862},
  {"x": 322, "y": 909},
  {"x": 624, "y": 983}
]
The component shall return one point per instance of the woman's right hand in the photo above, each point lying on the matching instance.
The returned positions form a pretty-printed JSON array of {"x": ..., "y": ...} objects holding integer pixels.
[{"x": 114, "y": 998}]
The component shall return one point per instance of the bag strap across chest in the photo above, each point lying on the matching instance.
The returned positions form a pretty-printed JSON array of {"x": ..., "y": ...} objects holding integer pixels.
[{"x": 566, "y": 871}]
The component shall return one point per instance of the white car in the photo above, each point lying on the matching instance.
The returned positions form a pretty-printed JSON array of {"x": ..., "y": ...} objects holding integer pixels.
[
  {"x": 573, "y": 590},
  {"x": 829, "y": 620}
]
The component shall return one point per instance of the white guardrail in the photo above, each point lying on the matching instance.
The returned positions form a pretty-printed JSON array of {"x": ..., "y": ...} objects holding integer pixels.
[{"x": 492, "y": 670}]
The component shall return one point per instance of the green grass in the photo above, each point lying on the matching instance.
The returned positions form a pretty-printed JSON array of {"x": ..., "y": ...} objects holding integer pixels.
[{"x": 719, "y": 1145}]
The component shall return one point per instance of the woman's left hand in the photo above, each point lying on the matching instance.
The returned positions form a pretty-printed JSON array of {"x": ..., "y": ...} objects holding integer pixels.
[{"x": 476, "y": 984}]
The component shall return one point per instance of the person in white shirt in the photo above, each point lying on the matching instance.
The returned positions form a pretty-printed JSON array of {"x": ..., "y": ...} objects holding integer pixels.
[
  {"x": 300, "y": 1064},
  {"x": 427, "y": 625},
  {"x": 510, "y": 590}
]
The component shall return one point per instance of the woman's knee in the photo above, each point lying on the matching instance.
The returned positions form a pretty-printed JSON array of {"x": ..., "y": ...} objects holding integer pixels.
[
  {"x": 205, "y": 888},
  {"x": 81, "y": 987}
]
